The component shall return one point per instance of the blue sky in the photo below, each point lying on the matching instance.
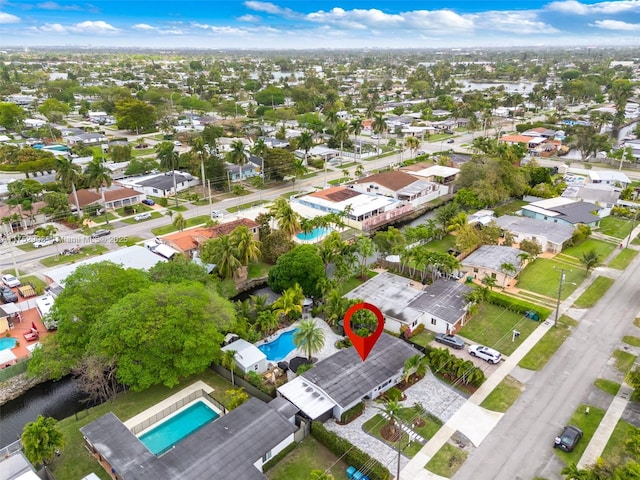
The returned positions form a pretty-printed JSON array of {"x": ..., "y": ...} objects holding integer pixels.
[{"x": 305, "y": 24}]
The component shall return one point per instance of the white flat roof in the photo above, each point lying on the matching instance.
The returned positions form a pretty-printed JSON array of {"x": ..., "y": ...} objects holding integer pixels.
[
  {"x": 246, "y": 353},
  {"x": 307, "y": 397},
  {"x": 7, "y": 356},
  {"x": 551, "y": 202},
  {"x": 135, "y": 256},
  {"x": 437, "y": 171},
  {"x": 542, "y": 211},
  {"x": 360, "y": 204}
]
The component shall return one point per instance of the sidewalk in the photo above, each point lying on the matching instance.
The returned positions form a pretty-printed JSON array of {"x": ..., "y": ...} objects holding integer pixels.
[{"x": 476, "y": 422}]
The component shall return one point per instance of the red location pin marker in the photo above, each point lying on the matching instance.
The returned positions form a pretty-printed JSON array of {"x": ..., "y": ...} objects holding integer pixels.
[{"x": 363, "y": 345}]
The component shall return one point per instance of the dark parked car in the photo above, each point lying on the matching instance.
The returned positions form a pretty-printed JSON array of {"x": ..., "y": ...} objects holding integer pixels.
[
  {"x": 450, "y": 141},
  {"x": 7, "y": 295},
  {"x": 100, "y": 233},
  {"x": 569, "y": 438},
  {"x": 451, "y": 340},
  {"x": 148, "y": 201}
]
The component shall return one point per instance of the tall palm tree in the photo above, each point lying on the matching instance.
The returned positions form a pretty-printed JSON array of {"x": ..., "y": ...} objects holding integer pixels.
[
  {"x": 221, "y": 252},
  {"x": 68, "y": 174},
  {"x": 309, "y": 337},
  {"x": 355, "y": 127},
  {"x": 378, "y": 126},
  {"x": 167, "y": 156},
  {"x": 289, "y": 303},
  {"x": 507, "y": 269},
  {"x": 341, "y": 133},
  {"x": 412, "y": 144},
  {"x": 98, "y": 177},
  {"x": 228, "y": 361},
  {"x": 237, "y": 155},
  {"x": 201, "y": 152},
  {"x": 305, "y": 142},
  {"x": 288, "y": 220},
  {"x": 246, "y": 245},
  {"x": 299, "y": 169},
  {"x": 259, "y": 148}
]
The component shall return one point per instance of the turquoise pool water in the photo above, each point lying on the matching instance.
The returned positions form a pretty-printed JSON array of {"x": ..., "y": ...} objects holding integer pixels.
[
  {"x": 164, "y": 436},
  {"x": 314, "y": 234},
  {"x": 279, "y": 348},
  {"x": 7, "y": 342}
]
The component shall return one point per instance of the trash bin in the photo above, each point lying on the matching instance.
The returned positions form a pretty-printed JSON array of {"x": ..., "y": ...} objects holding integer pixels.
[{"x": 470, "y": 279}]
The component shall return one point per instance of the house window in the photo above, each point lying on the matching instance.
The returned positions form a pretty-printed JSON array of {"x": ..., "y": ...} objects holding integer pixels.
[
  {"x": 155, "y": 190},
  {"x": 266, "y": 456},
  {"x": 414, "y": 324},
  {"x": 493, "y": 275},
  {"x": 475, "y": 270},
  {"x": 433, "y": 321}
]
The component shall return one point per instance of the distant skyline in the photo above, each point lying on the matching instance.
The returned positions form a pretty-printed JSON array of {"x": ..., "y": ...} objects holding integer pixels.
[{"x": 336, "y": 24}]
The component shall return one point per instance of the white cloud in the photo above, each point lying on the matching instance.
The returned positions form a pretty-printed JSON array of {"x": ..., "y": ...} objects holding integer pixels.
[
  {"x": 438, "y": 20},
  {"x": 511, "y": 21},
  {"x": 57, "y": 6},
  {"x": 615, "y": 25},
  {"x": 578, "y": 8},
  {"x": 94, "y": 27},
  {"x": 8, "y": 18},
  {"x": 249, "y": 18},
  {"x": 228, "y": 30},
  {"x": 355, "y": 19},
  {"x": 143, "y": 26},
  {"x": 268, "y": 7},
  {"x": 53, "y": 27}
]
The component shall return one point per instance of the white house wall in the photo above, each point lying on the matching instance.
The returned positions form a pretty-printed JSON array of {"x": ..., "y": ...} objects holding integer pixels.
[
  {"x": 338, "y": 410},
  {"x": 275, "y": 451}
]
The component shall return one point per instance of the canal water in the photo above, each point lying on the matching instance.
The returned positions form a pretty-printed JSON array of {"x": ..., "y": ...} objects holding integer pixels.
[{"x": 52, "y": 399}]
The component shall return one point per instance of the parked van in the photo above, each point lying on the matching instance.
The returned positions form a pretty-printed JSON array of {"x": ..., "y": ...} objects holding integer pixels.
[{"x": 142, "y": 216}]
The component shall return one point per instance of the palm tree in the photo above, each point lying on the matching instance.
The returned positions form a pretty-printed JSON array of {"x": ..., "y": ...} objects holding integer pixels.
[
  {"x": 508, "y": 269},
  {"x": 391, "y": 407},
  {"x": 246, "y": 245},
  {"x": 288, "y": 220},
  {"x": 412, "y": 144},
  {"x": 590, "y": 260},
  {"x": 259, "y": 148},
  {"x": 411, "y": 366},
  {"x": 228, "y": 361},
  {"x": 201, "y": 152},
  {"x": 40, "y": 440},
  {"x": 341, "y": 133},
  {"x": 365, "y": 249},
  {"x": 167, "y": 156},
  {"x": 222, "y": 252},
  {"x": 267, "y": 322},
  {"x": 309, "y": 337},
  {"x": 298, "y": 169},
  {"x": 237, "y": 155},
  {"x": 68, "y": 174},
  {"x": 289, "y": 303},
  {"x": 355, "y": 127},
  {"x": 98, "y": 177},
  {"x": 305, "y": 142},
  {"x": 378, "y": 126},
  {"x": 489, "y": 281}
]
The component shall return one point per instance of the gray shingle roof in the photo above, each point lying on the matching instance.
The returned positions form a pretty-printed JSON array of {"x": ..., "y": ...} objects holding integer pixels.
[
  {"x": 577, "y": 212},
  {"x": 165, "y": 182},
  {"x": 493, "y": 256},
  {"x": 554, "y": 232},
  {"x": 346, "y": 378},
  {"x": 443, "y": 299},
  {"x": 223, "y": 449}
]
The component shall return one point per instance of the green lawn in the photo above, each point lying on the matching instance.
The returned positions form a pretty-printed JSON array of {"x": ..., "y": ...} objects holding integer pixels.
[
  {"x": 37, "y": 283},
  {"x": 624, "y": 360},
  {"x": 510, "y": 208},
  {"x": 503, "y": 396},
  {"x": 75, "y": 461},
  {"x": 493, "y": 325},
  {"x": 442, "y": 246},
  {"x": 86, "y": 252},
  {"x": 258, "y": 270},
  {"x": 100, "y": 220},
  {"x": 246, "y": 206},
  {"x": 308, "y": 455},
  {"x": 623, "y": 259},
  {"x": 615, "y": 227},
  {"x": 447, "y": 461},
  {"x": 338, "y": 181},
  {"x": 542, "y": 351},
  {"x": 631, "y": 340},
  {"x": 424, "y": 338},
  {"x": 191, "y": 222},
  {"x": 128, "y": 241},
  {"x": 138, "y": 208},
  {"x": 614, "y": 452},
  {"x": 431, "y": 424},
  {"x": 594, "y": 292},
  {"x": 543, "y": 276},
  {"x": 355, "y": 281},
  {"x": 602, "y": 248},
  {"x": 607, "y": 386},
  {"x": 588, "y": 424}
]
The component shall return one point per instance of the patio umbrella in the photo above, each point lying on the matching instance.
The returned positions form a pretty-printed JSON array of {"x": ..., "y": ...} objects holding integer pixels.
[{"x": 33, "y": 325}]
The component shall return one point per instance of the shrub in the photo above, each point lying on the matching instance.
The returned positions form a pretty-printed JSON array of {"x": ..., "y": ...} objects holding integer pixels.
[
  {"x": 304, "y": 367},
  {"x": 351, "y": 454},
  {"x": 516, "y": 305},
  {"x": 274, "y": 460},
  {"x": 352, "y": 414},
  {"x": 163, "y": 202}
]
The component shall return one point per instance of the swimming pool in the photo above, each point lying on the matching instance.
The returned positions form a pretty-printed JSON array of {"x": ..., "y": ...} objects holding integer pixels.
[
  {"x": 314, "y": 234},
  {"x": 166, "y": 434},
  {"x": 7, "y": 343},
  {"x": 279, "y": 348}
]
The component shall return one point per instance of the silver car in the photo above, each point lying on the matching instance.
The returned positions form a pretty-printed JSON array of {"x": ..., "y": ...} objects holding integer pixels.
[{"x": 452, "y": 341}]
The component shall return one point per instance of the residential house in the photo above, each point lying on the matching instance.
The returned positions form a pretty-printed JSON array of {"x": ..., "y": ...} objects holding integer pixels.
[
  {"x": 563, "y": 210},
  {"x": 635, "y": 147},
  {"x": 190, "y": 240},
  {"x": 401, "y": 186},
  {"x": 161, "y": 184},
  {"x": 235, "y": 445},
  {"x": 248, "y": 170},
  {"x": 15, "y": 466},
  {"x": 552, "y": 237},
  {"x": 363, "y": 211},
  {"x": 115, "y": 196},
  {"x": 537, "y": 146},
  {"x": 273, "y": 142},
  {"x": 441, "y": 307},
  {"x": 439, "y": 174},
  {"x": 540, "y": 132},
  {"x": 492, "y": 261},
  {"x": 341, "y": 381},
  {"x": 603, "y": 195},
  {"x": 87, "y": 138},
  {"x": 248, "y": 357},
  {"x": 16, "y": 216},
  {"x": 323, "y": 152}
]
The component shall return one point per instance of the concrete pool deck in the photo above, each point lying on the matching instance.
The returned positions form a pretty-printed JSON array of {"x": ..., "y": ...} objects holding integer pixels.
[{"x": 158, "y": 411}]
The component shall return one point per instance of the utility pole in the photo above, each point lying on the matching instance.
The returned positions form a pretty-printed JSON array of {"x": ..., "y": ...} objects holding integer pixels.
[
  {"x": 555, "y": 322},
  {"x": 633, "y": 225}
]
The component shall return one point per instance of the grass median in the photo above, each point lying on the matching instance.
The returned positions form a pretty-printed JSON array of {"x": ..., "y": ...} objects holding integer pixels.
[
  {"x": 547, "y": 346},
  {"x": 594, "y": 292}
]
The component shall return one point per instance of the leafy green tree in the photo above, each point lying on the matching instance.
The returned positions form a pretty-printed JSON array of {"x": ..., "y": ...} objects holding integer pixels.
[
  {"x": 237, "y": 155},
  {"x": 57, "y": 204},
  {"x": 308, "y": 337},
  {"x": 274, "y": 245},
  {"x": 54, "y": 109},
  {"x": 289, "y": 304},
  {"x": 140, "y": 166},
  {"x": 99, "y": 177},
  {"x": 11, "y": 116},
  {"x": 228, "y": 361},
  {"x": 390, "y": 241},
  {"x": 246, "y": 245},
  {"x": 179, "y": 269},
  {"x": 236, "y": 398},
  {"x": 179, "y": 222},
  {"x": 278, "y": 163},
  {"x": 532, "y": 247},
  {"x": 120, "y": 153},
  {"x": 302, "y": 265},
  {"x": 171, "y": 331},
  {"x": 305, "y": 142},
  {"x": 365, "y": 248},
  {"x": 135, "y": 115},
  {"x": 41, "y": 439},
  {"x": 271, "y": 95},
  {"x": 288, "y": 220}
]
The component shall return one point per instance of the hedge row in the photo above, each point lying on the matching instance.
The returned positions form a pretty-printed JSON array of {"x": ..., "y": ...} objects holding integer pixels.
[
  {"x": 517, "y": 305},
  {"x": 274, "y": 460},
  {"x": 352, "y": 455},
  {"x": 352, "y": 413}
]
